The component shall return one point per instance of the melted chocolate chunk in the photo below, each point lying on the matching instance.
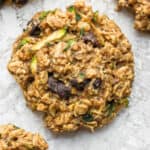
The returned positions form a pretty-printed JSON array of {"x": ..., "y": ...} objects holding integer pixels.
[
  {"x": 79, "y": 86},
  {"x": 90, "y": 37},
  {"x": 97, "y": 83},
  {"x": 35, "y": 31},
  {"x": 58, "y": 87}
]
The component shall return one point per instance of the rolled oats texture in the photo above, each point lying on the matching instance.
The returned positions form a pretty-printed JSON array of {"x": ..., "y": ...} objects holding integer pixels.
[
  {"x": 129, "y": 131},
  {"x": 141, "y": 12},
  {"x": 75, "y": 66},
  {"x": 13, "y": 137}
]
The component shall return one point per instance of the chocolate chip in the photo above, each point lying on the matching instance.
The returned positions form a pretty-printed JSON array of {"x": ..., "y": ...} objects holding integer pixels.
[
  {"x": 79, "y": 86},
  {"x": 20, "y": 2},
  {"x": 35, "y": 31},
  {"x": 97, "y": 83},
  {"x": 50, "y": 74},
  {"x": 30, "y": 79},
  {"x": 63, "y": 91},
  {"x": 90, "y": 37},
  {"x": 58, "y": 87}
]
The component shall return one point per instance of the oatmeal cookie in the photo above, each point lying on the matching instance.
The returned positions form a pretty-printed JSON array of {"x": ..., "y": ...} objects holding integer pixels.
[
  {"x": 141, "y": 9},
  {"x": 74, "y": 66},
  {"x": 14, "y": 138},
  {"x": 16, "y": 2}
]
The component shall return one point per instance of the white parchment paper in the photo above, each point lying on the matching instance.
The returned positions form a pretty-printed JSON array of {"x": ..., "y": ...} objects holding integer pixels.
[{"x": 131, "y": 129}]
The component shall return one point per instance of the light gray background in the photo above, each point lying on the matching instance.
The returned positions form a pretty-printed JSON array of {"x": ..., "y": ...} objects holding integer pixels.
[{"x": 131, "y": 129}]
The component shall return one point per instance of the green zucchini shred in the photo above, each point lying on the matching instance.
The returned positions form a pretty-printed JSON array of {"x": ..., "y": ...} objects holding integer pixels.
[
  {"x": 87, "y": 117},
  {"x": 33, "y": 65},
  {"x": 23, "y": 42},
  {"x": 69, "y": 44},
  {"x": 43, "y": 15}
]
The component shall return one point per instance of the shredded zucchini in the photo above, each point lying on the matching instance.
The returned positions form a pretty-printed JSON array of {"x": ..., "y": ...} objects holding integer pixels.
[
  {"x": 52, "y": 37},
  {"x": 33, "y": 65}
]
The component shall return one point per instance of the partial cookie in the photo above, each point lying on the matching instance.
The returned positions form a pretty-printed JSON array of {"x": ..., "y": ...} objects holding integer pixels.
[
  {"x": 75, "y": 66},
  {"x": 141, "y": 9},
  {"x": 16, "y": 2},
  {"x": 14, "y": 138}
]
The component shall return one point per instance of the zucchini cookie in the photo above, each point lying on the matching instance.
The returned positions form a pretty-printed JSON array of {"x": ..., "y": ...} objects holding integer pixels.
[
  {"x": 141, "y": 9},
  {"x": 16, "y": 2},
  {"x": 14, "y": 138},
  {"x": 75, "y": 66}
]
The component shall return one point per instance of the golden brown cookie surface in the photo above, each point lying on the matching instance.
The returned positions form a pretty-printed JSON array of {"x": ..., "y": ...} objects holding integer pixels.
[
  {"x": 141, "y": 10},
  {"x": 14, "y": 138},
  {"x": 75, "y": 66}
]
